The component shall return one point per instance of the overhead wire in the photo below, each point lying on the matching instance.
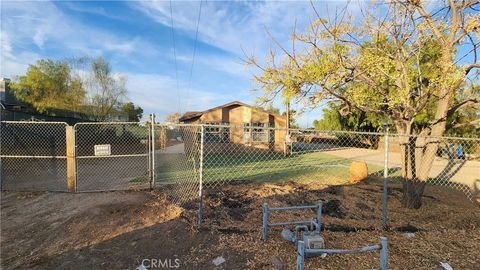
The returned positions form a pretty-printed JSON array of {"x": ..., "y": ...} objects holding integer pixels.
[
  {"x": 175, "y": 57},
  {"x": 194, "y": 47}
]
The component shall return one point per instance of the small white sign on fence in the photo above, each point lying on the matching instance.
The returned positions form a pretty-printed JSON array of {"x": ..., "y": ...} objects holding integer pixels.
[{"x": 102, "y": 150}]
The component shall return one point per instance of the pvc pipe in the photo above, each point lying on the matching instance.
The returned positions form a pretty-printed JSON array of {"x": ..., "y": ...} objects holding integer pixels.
[
  {"x": 293, "y": 207},
  {"x": 319, "y": 216},
  {"x": 384, "y": 254},
  {"x": 297, "y": 229},
  {"x": 300, "y": 255},
  {"x": 309, "y": 222},
  {"x": 343, "y": 251}
]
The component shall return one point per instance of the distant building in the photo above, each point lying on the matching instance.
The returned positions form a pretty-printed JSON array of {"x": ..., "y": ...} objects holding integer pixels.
[
  {"x": 6, "y": 97},
  {"x": 10, "y": 108},
  {"x": 249, "y": 125}
]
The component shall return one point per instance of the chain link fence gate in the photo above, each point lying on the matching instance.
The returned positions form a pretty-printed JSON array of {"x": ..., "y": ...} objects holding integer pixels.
[
  {"x": 33, "y": 156},
  {"x": 112, "y": 156},
  {"x": 177, "y": 151}
]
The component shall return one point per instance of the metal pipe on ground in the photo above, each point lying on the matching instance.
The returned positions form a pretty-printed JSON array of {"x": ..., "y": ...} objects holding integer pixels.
[
  {"x": 382, "y": 247},
  {"x": 312, "y": 223}
]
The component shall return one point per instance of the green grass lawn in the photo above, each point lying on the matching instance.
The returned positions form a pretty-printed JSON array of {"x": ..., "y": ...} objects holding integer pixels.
[{"x": 261, "y": 167}]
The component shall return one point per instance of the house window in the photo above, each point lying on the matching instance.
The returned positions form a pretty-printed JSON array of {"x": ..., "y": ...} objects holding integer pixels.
[
  {"x": 255, "y": 132},
  {"x": 215, "y": 133}
]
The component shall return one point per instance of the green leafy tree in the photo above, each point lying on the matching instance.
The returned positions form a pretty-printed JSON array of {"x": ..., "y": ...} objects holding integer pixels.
[
  {"x": 356, "y": 120},
  {"x": 269, "y": 108},
  {"x": 402, "y": 66},
  {"x": 48, "y": 85},
  {"x": 293, "y": 118},
  {"x": 134, "y": 112}
]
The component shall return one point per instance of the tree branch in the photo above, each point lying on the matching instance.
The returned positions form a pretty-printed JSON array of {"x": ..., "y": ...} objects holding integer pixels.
[
  {"x": 470, "y": 67},
  {"x": 428, "y": 19},
  {"x": 475, "y": 122},
  {"x": 462, "y": 104}
]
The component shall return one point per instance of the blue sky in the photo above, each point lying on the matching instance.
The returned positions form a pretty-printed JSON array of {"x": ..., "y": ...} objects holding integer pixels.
[{"x": 136, "y": 37}]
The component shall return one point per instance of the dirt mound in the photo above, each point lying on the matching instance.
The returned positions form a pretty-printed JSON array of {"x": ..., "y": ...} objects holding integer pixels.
[{"x": 62, "y": 222}]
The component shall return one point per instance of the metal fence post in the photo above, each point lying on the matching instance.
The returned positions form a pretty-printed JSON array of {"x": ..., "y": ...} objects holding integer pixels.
[
  {"x": 149, "y": 150},
  {"x": 200, "y": 176},
  {"x": 152, "y": 151},
  {"x": 384, "y": 254},
  {"x": 385, "y": 181}
]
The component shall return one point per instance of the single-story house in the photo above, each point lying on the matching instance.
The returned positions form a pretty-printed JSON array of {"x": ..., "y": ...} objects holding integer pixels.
[{"x": 248, "y": 126}]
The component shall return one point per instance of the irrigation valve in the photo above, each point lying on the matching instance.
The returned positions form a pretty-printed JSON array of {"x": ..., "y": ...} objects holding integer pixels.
[{"x": 313, "y": 240}]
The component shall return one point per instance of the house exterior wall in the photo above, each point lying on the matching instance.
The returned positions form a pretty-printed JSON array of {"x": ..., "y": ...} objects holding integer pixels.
[
  {"x": 237, "y": 116},
  {"x": 215, "y": 116}
]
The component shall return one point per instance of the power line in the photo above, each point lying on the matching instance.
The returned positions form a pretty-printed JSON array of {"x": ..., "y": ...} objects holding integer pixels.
[
  {"x": 175, "y": 56},
  {"x": 195, "y": 46}
]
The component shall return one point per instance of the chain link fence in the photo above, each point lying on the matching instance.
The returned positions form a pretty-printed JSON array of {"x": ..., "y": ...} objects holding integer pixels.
[
  {"x": 442, "y": 161},
  {"x": 188, "y": 162},
  {"x": 33, "y": 156},
  {"x": 266, "y": 155}
]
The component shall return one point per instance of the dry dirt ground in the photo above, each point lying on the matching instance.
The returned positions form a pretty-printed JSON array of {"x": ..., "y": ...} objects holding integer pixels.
[{"x": 117, "y": 230}]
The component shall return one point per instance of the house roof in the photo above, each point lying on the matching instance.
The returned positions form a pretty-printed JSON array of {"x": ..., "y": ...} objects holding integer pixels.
[{"x": 193, "y": 115}]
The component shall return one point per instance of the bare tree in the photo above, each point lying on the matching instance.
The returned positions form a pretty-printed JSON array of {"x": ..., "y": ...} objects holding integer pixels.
[
  {"x": 106, "y": 89},
  {"x": 173, "y": 118}
]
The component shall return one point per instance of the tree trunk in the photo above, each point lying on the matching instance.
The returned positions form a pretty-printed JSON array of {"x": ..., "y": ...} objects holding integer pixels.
[
  {"x": 418, "y": 152},
  {"x": 412, "y": 193},
  {"x": 411, "y": 156}
]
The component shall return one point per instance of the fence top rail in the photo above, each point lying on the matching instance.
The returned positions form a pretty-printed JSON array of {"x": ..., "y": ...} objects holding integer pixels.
[
  {"x": 316, "y": 131},
  {"x": 178, "y": 125},
  {"x": 291, "y": 130},
  {"x": 436, "y": 137},
  {"x": 27, "y": 156},
  {"x": 313, "y": 131},
  {"x": 34, "y": 122},
  {"x": 111, "y": 123}
]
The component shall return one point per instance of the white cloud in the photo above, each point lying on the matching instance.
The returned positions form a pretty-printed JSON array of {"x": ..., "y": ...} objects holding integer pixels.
[
  {"x": 13, "y": 64},
  {"x": 232, "y": 25},
  {"x": 158, "y": 94},
  {"x": 43, "y": 24},
  {"x": 225, "y": 25}
]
